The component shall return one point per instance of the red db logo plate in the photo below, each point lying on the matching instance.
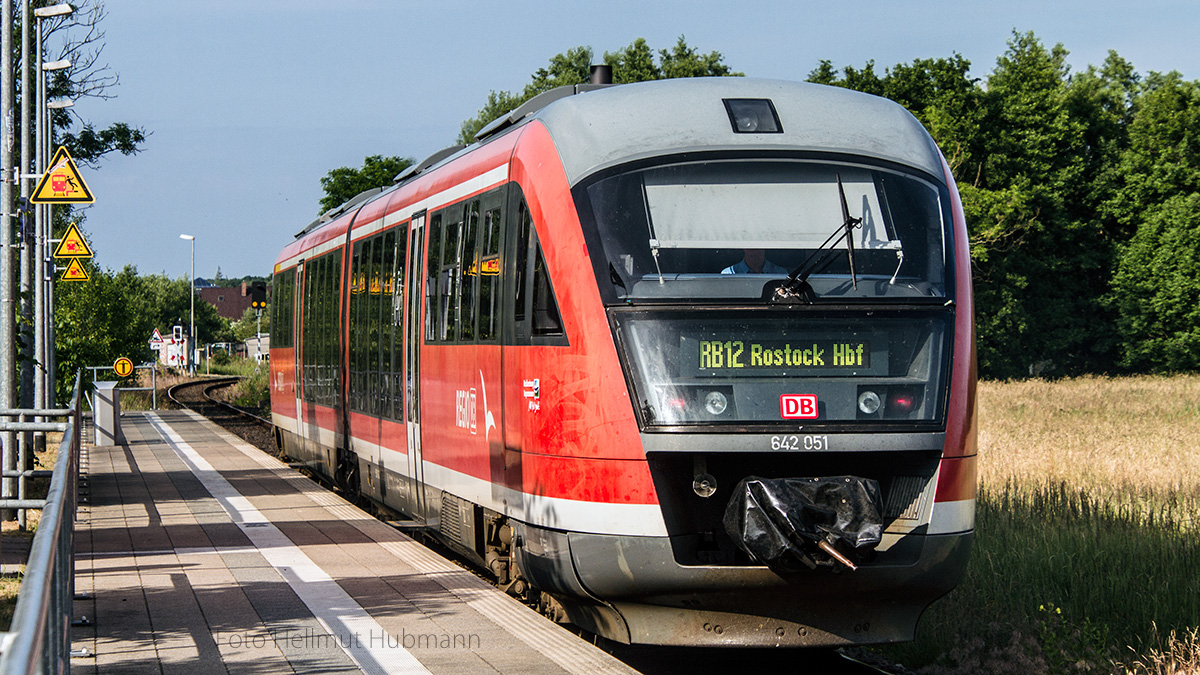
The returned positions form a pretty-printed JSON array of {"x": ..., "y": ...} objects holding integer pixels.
[{"x": 798, "y": 406}]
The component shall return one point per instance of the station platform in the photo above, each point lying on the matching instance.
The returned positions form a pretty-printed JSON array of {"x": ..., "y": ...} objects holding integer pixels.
[{"x": 199, "y": 553}]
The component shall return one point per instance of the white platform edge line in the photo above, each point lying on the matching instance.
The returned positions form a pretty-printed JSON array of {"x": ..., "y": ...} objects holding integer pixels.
[
  {"x": 315, "y": 588},
  {"x": 568, "y": 651}
]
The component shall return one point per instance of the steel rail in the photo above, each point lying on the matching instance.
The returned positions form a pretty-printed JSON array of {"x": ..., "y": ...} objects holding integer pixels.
[{"x": 212, "y": 385}]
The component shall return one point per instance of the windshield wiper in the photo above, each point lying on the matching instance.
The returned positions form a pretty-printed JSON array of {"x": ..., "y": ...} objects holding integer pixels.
[
  {"x": 796, "y": 285},
  {"x": 848, "y": 225}
]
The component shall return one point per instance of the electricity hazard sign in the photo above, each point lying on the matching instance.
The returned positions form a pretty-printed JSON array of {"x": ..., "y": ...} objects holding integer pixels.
[
  {"x": 73, "y": 245},
  {"x": 75, "y": 272},
  {"x": 62, "y": 184}
]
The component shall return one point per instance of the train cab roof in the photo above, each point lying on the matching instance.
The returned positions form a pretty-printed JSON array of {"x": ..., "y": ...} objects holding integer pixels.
[
  {"x": 605, "y": 127},
  {"x": 596, "y": 127}
]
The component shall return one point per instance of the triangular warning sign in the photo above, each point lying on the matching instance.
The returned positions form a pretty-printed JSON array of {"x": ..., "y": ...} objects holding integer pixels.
[
  {"x": 156, "y": 338},
  {"x": 75, "y": 272},
  {"x": 73, "y": 245},
  {"x": 62, "y": 184}
]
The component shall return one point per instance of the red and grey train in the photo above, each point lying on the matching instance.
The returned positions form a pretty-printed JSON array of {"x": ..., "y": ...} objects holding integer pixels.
[{"x": 565, "y": 349}]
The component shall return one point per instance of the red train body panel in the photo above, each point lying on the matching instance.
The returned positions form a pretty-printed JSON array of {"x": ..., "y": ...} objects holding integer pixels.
[{"x": 544, "y": 349}]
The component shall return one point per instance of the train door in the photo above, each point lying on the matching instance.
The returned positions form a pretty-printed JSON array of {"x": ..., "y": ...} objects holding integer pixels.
[
  {"x": 298, "y": 327},
  {"x": 487, "y": 312},
  {"x": 412, "y": 366}
]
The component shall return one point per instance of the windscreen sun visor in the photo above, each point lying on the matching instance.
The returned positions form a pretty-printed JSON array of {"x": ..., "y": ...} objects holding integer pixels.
[
  {"x": 696, "y": 214},
  {"x": 815, "y": 522}
]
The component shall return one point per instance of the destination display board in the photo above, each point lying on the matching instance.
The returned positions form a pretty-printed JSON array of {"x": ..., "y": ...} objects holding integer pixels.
[{"x": 738, "y": 354}]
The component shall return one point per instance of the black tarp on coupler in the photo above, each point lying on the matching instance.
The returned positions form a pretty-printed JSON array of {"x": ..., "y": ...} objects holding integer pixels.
[{"x": 783, "y": 521}]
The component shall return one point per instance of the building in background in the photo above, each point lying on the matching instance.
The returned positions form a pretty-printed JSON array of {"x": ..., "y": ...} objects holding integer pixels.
[{"x": 231, "y": 301}]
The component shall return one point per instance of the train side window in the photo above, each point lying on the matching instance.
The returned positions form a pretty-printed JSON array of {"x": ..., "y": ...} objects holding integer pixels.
[
  {"x": 535, "y": 310},
  {"x": 374, "y": 289},
  {"x": 448, "y": 279},
  {"x": 357, "y": 316},
  {"x": 546, "y": 319},
  {"x": 334, "y": 326},
  {"x": 312, "y": 326},
  {"x": 305, "y": 317},
  {"x": 282, "y": 287},
  {"x": 489, "y": 274},
  {"x": 315, "y": 358},
  {"x": 468, "y": 273},
  {"x": 383, "y": 357},
  {"x": 393, "y": 354},
  {"x": 316, "y": 329},
  {"x": 525, "y": 232},
  {"x": 434, "y": 257}
]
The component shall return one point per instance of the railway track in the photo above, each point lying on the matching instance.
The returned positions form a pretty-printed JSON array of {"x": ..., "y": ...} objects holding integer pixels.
[{"x": 197, "y": 396}]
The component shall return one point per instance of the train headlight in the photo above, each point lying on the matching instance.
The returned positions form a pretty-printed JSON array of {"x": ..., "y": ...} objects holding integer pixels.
[
  {"x": 868, "y": 402},
  {"x": 716, "y": 403}
]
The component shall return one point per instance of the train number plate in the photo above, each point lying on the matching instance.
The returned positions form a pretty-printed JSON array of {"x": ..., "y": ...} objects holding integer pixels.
[{"x": 809, "y": 442}]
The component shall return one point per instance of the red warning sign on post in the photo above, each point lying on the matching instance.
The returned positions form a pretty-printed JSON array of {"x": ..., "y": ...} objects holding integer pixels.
[
  {"x": 62, "y": 184},
  {"x": 75, "y": 272},
  {"x": 73, "y": 245}
]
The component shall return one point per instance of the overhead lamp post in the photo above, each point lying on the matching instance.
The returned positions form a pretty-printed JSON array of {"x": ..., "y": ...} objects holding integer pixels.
[
  {"x": 61, "y": 9},
  {"x": 192, "y": 321},
  {"x": 44, "y": 274}
]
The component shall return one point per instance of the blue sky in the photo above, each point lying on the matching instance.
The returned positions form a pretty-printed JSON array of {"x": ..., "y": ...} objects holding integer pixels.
[{"x": 250, "y": 103}]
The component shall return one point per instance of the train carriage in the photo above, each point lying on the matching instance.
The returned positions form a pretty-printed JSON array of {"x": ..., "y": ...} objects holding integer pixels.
[{"x": 592, "y": 349}]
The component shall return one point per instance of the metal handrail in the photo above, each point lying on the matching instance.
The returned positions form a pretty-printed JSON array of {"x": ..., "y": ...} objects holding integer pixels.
[{"x": 39, "y": 638}]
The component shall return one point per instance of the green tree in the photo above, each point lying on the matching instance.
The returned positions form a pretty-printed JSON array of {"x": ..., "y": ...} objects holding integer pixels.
[
  {"x": 1155, "y": 192},
  {"x": 250, "y": 324},
  {"x": 1157, "y": 289},
  {"x": 1162, "y": 157},
  {"x": 1028, "y": 150},
  {"x": 938, "y": 92},
  {"x": 344, "y": 183},
  {"x": 685, "y": 61},
  {"x": 633, "y": 63},
  {"x": 79, "y": 38},
  {"x": 90, "y": 326},
  {"x": 1032, "y": 281},
  {"x": 113, "y": 314}
]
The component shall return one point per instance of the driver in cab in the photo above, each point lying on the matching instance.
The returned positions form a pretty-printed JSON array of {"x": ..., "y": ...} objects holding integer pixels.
[{"x": 754, "y": 261}]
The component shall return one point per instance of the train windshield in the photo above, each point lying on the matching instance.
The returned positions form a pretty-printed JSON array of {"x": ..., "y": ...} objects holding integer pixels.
[{"x": 729, "y": 229}]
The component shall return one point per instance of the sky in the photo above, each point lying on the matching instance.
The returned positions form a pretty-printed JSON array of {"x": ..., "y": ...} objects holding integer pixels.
[{"x": 249, "y": 103}]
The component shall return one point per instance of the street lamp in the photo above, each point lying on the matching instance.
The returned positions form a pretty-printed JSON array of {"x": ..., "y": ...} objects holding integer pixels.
[
  {"x": 192, "y": 321},
  {"x": 43, "y": 272},
  {"x": 61, "y": 9}
]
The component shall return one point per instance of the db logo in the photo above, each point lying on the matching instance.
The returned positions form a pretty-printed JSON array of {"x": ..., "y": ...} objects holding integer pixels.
[{"x": 798, "y": 406}]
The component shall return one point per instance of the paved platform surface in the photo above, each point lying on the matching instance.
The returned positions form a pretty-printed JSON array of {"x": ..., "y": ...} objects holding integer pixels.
[{"x": 202, "y": 554}]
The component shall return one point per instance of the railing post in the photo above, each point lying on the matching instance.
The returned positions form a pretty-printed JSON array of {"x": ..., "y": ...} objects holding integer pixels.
[{"x": 39, "y": 638}]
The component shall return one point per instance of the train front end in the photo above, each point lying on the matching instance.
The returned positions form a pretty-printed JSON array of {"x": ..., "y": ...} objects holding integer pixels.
[{"x": 785, "y": 274}]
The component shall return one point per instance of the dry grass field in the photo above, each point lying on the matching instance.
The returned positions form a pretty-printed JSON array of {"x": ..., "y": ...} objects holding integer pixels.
[
  {"x": 1087, "y": 556},
  {"x": 1112, "y": 436}
]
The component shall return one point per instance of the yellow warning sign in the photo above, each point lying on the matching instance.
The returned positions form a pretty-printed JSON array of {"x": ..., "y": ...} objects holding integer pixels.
[
  {"x": 75, "y": 272},
  {"x": 123, "y": 367},
  {"x": 73, "y": 245},
  {"x": 62, "y": 184}
]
